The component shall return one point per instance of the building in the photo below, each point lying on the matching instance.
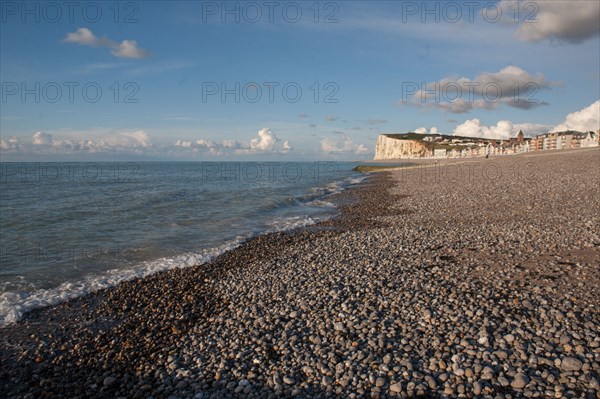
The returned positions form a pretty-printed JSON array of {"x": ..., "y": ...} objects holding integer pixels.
[
  {"x": 455, "y": 152},
  {"x": 588, "y": 139},
  {"x": 537, "y": 143},
  {"x": 416, "y": 145},
  {"x": 440, "y": 153},
  {"x": 524, "y": 147},
  {"x": 549, "y": 141},
  {"x": 563, "y": 142}
]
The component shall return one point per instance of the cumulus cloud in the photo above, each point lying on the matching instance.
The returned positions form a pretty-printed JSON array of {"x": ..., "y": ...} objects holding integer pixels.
[
  {"x": 230, "y": 144},
  {"x": 9, "y": 145},
  {"x": 286, "y": 147},
  {"x": 584, "y": 120},
  {"x": 265, "y": 142},
  {"x": 125, "y": 49},
  {"x": 137, "y": 138},
  {"x": 343, "y": 145},
  {"x": 129, "y": 49},
  {"x": 424, "y": 130},
  {"x": 511, "y": 86},
  {"x": 571, "y": 21},
  {"x": 183, "y": 143},
  {"x": 502, "y": 130},
  {"x": 86, "y": 37},
  {"x": 330, "y": 118},
  {"x": 41, "y": 138},
  {"x": 138, "y": 142},
  {"x": 133, "y": 142}
]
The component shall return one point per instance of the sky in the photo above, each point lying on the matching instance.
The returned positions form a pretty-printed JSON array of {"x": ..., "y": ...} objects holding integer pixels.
[{"x": 276, "y": 80}]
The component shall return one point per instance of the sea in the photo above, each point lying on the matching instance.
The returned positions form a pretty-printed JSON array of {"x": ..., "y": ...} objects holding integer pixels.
[{"x": 71, "y": 228}]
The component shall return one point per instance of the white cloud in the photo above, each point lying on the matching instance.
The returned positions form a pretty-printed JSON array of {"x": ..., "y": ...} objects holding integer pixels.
[
  {"x": 265, "y": 142},
  {"x": 133, "y": 142},
  {"x": 129, "y": 49},
  {"x": 86, "y": 37},
  {"x": 41, "y": 138},
  {"x": 125, "y": 49},
  {"x": 10, "y": 145},
  {"x": 183, "y": 143},
  {"x": 229, "y": 144},
  {"x": 502, "y": 130},
  {"x": 423, "y": 130},
  {"x": 511, "y": 86},
  {"x": 584, "y": 120},
  {"x": 330, "y": 118},
  {"x": 571, "y": 21},
  {"x": 286, "y": 147},
  {"x": 109, "y": 143},
  {"x": 137, "y": 138},
  {"x": 344, "y": 145},
  {"x": 203, "y": 143}
]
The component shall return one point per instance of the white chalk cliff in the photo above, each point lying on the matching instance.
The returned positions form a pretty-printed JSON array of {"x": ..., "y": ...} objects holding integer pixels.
[{"x": 391, "y": 148}]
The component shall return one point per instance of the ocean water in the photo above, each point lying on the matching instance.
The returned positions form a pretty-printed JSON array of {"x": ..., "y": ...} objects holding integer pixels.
[{"x": 67, "y": 229}]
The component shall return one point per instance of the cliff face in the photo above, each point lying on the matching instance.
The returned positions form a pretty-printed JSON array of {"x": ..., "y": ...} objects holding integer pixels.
[{"x": 389, "y": 148}]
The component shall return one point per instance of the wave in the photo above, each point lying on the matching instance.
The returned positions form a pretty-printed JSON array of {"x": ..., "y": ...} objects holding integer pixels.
[
  {"x": 293, "y": 222},
  {"x": 14, "y": 304},
  {"x": 321, "y": 204},
  {"x": 316, "y": 195}
]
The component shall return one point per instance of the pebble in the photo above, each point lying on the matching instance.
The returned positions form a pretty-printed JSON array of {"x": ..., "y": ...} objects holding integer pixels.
[
  {"x": 571, "y": 364},
  {"x": 397, "y": 387},
  {"x": 108, "y": 381},
  {"x": 289, "y": 380},
  {"x": 431, "y": 382},
  {"x": 519, "y": 381},
  {"x": 426, "y": 285}
]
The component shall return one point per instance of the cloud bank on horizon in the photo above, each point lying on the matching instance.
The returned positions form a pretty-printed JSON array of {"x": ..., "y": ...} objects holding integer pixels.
[
  {"x": 139, "y": 143},
  {"x": 42, "y": 143},
  {"x": 266, "y": 142}
]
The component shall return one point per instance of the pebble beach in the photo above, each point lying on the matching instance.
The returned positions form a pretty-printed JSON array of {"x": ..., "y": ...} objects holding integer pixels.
[{"x": 455, "y": 279}]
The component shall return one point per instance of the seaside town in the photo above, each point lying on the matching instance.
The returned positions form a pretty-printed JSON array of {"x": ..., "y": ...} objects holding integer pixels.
[{"x": 416, "y": 145}]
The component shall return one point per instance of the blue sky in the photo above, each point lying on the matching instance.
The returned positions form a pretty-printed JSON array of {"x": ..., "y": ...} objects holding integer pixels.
[{"x": 161, "y": 68}]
